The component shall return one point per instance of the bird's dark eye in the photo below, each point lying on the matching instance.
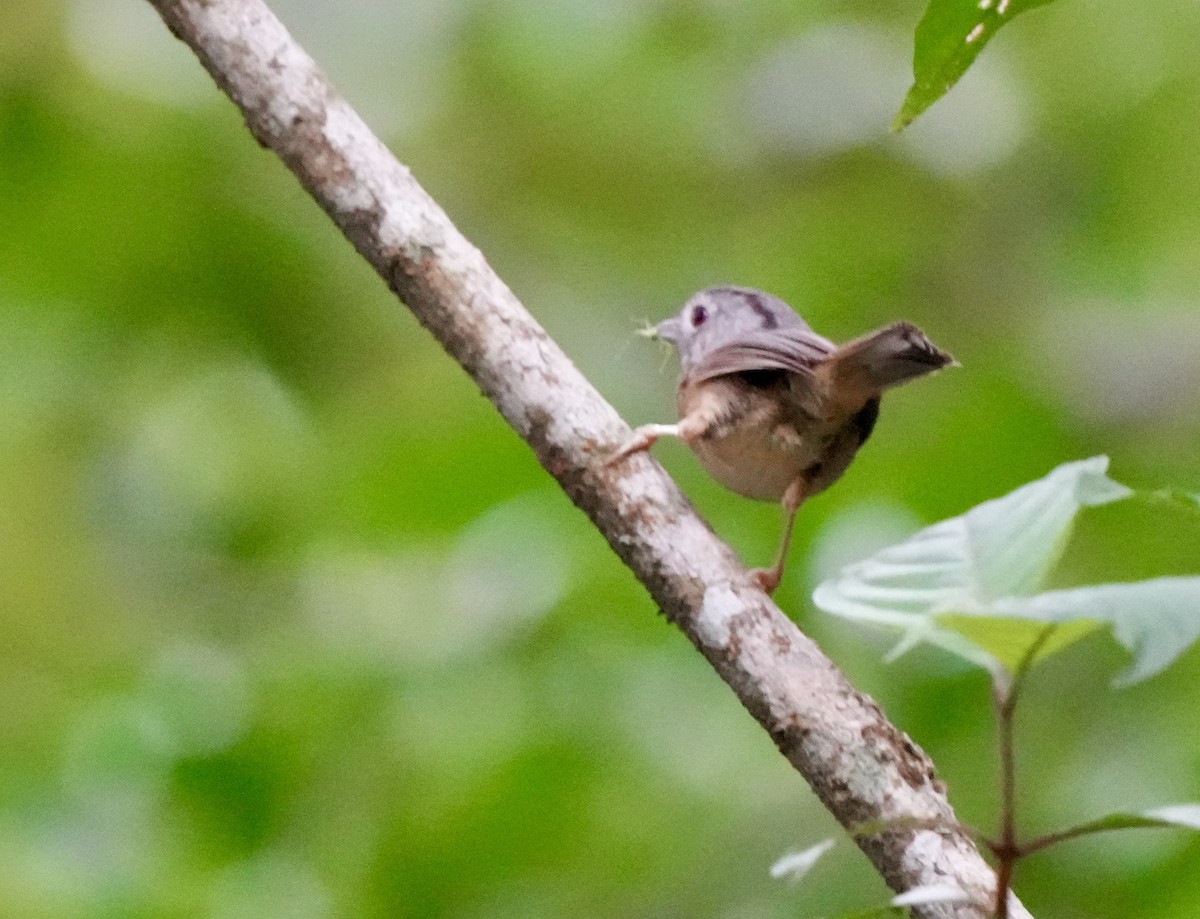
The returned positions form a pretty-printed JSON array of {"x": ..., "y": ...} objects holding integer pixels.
[{"x": 699, "y": 315}]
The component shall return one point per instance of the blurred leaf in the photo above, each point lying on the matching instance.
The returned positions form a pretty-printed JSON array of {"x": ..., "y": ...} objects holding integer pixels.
[
  {"x": 941, "y": 586},
  {"x": 948, "y": 39},
  {"x": 1181, "y": 815},
  {"x": 1173, "y": 816},
  {"x": 931, "y": 893},
  {"x": 795, "y": 865},
  {"x": 899, "y": 904},
  {"x": 1174, "y": 497}
]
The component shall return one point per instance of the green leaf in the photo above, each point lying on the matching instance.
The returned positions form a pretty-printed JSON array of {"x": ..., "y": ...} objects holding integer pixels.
[
  {"x": 941, "y": 585},
  {"x": 948, "y": 39}
]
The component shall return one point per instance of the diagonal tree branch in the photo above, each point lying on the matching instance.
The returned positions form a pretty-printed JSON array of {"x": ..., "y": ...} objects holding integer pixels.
[{"x": 861, "y": 767}]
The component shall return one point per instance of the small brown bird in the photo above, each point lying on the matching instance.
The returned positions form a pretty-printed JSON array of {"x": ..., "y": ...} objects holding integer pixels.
[{"x": 771, "y": 409}]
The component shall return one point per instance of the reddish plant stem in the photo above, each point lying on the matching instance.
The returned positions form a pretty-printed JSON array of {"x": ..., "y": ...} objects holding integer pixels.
[
  {"x": 1006, "y": 849},
  {"x": 1005, "y": 693}
]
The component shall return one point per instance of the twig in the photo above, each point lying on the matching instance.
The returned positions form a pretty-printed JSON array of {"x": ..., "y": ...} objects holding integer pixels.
[
  {"x": 1007, "y": 692},
  {"x": 860, "y": 766}
]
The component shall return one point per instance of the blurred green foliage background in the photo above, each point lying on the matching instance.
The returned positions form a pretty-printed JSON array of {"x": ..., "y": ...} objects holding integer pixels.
[{"x": 293, "y": 626}]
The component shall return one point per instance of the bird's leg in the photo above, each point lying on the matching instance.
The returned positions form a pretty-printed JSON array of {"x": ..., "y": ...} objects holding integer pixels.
[
  {"x": 643, "y": 438},
  {"x": 768, "y": 578}
]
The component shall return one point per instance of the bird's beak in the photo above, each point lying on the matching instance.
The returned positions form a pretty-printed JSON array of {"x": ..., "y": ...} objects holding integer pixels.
[{"x": 667, "y": 330}]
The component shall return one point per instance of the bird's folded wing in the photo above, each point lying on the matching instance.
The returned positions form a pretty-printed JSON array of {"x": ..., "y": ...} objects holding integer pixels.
[{"x": 795, "y": 350}]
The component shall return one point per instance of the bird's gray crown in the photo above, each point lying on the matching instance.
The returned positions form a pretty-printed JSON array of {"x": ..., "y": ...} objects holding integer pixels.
[{"x": 716, "y": 316}]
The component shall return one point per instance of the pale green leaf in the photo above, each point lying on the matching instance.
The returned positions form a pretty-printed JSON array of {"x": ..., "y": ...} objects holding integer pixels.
[
  {"x": 1014, "y": 541},
  {"x": 1009, "y": 640},
  {"x": 1156, "y": 620},
  {"x": 933, "y": 586}
]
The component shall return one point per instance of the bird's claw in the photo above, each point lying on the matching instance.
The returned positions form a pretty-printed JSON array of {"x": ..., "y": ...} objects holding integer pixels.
[
  {"x": 639, "y": 441},
  {"x": 624, "y": 451}
]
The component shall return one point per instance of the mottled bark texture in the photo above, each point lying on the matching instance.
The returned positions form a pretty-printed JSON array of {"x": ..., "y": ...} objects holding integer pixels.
[{"x": 860, "y": 766}]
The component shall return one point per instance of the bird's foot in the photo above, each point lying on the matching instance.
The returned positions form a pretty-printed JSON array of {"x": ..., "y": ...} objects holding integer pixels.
[{"x": 642, "y": 439}]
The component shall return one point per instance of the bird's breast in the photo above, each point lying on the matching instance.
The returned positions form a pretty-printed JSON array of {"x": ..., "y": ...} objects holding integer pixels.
[
  {"x": 755, "y": 461},
  {"x": 756, "y": 443},
  {"x": 750, "y": 442}
]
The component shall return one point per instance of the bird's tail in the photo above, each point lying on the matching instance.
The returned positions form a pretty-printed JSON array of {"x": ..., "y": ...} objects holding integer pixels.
[{"x": 884, "y": 358}]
